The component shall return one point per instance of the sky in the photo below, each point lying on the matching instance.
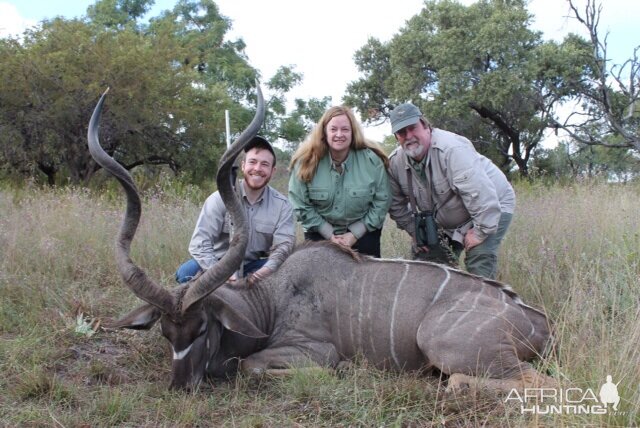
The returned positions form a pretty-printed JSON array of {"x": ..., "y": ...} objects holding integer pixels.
[{"x": 320, "y": 37}]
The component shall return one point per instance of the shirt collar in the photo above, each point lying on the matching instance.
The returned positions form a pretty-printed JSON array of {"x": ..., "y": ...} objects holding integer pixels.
[
  {"x": 345, "y": 164},
  {"x": 243, "y": 193},
  {"x": 417, "y": 165}
]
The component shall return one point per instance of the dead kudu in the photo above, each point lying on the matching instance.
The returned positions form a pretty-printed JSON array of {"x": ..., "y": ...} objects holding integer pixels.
[{"x": 326, "y": 304}]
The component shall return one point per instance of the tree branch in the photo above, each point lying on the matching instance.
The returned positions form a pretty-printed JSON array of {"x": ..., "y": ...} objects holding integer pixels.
[
  {"x": 154, "y": 160},
  {"x": 619, "y": 121}
]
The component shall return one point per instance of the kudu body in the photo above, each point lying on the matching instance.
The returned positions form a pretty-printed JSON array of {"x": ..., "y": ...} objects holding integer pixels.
[{"x": 326, "y": 304}]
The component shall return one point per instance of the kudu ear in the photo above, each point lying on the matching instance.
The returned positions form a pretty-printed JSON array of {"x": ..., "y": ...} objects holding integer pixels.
[
  {"x": 234, "y": 320},
  {"x": 142, "y": 318}
]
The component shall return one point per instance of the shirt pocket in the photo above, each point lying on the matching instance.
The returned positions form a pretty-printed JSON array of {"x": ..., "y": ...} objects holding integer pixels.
[
  {"x": 359, "y": 200},
  {"x": 442, "y": 192},
  {"x": 466, "y": 184},
  {"x": 320, "y": 197},
  {"x": 264, "y": 235}
]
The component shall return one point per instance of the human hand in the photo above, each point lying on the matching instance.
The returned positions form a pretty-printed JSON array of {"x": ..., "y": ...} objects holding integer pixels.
[
  {"x": 471, "y": 240},
  {"x": 232, "y": 279},
  {"x": 336, "y": 239},
  {"x": 423, "y": 249},
  {"x": 346, "y": 239},
  {"x": 259, "y": 275}
]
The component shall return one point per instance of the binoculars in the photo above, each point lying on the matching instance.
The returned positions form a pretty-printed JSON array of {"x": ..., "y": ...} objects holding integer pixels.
[{"x": 426, "y": 229}]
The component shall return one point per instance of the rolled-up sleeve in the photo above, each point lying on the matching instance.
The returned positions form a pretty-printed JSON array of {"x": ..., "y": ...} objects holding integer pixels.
[
  {"x": 399, "y": 207},
  {"x": 476, "y": 190},
  {"x": 283, "y": 238},
  {"x": 379, "y": 206}
]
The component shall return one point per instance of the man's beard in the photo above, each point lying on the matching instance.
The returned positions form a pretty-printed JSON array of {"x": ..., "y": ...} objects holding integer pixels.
[
  {"x": 249, "y": 183},
  {"x": 415, "y": 152}
]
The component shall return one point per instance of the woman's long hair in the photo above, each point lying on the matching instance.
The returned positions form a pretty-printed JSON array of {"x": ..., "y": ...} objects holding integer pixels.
[{"x": 315, "y": 146}]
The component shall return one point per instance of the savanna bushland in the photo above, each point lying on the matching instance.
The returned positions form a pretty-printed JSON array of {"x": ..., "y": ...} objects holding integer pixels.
[{"x": 572, "y": 250}]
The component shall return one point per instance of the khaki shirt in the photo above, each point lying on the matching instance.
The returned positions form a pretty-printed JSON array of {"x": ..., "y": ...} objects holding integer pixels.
[
  {"x": 271, "y": 229},
  {"x": 355, "y": 200},
  {"x": 468, "y": 189}
]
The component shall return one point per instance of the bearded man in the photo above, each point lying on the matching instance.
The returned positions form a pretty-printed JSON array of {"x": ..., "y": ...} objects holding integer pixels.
[
  {"x": 269, "y": 216},
  {"x": 447, "y": 196}
]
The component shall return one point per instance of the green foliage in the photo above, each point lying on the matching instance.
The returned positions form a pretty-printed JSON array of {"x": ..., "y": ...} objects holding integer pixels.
[
  {"x": 290, "y": 128},
  {"x": 295, "y": 127},
  {"x": 115, "y": 14},
  {"x": 477, "y": 70},
  {"x": 567, "y": 162},
  {"x": 371, "y": 93},
  {"x": 171, "y": 80},
  {"x": 40, "y": 385},
  {"x": 389, "y": 144}
]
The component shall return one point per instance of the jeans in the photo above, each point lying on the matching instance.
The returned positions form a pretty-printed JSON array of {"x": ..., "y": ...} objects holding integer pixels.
[{"x": 191, "y": 268}]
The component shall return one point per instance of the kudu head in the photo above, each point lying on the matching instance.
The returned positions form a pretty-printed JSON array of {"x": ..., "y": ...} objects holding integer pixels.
[{"x": 194, "y": 336}]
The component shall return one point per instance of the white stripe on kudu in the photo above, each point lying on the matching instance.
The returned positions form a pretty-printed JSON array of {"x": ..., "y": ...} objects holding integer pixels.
[
  {"x": 467, "y": 311},
  {"x": 180, "y": 355},
  {"x": 444, "y": 284},
  {"x": 351, "y": 310},
  {"x": 360, "y": 314},
  {"x": 393, "y": 316},
  {"x": 480, "y": 327},
  {"x": 370, "y": 306},
  {"x": 337, "y": 308}
]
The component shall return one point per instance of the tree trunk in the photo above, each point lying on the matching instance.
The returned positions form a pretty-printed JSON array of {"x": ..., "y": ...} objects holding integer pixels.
[{"x": 512, "y": 135}]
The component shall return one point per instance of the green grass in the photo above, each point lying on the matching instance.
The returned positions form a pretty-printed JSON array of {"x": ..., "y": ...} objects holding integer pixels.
[{"x": 572, "y": 250}]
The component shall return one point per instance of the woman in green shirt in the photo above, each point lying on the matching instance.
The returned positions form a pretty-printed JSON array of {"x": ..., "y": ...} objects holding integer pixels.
[{"x": 339, "y": 187}]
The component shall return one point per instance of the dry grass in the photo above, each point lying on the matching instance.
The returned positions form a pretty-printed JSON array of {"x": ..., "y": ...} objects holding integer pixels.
[{"x": 572, "y": 250}]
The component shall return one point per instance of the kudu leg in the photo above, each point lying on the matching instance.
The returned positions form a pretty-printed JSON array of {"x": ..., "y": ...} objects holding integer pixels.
[
  {"x": 281, "y": 360},
  {"x": 479, "y": 344},
  {"x": 282, "y": 373},
  {"x": 528, "y": 378}
]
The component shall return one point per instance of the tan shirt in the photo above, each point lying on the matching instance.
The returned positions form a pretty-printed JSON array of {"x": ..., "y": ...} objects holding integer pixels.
[{"x": 468, "y": 189}]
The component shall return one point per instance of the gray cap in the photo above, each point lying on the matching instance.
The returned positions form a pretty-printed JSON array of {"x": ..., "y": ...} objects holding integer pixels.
[{"x": 403, "y": 116}]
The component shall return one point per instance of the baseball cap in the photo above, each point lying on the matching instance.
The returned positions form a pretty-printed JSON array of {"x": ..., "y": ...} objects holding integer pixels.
[
  {"x": 262, "y": 143},
  {"x": 404, "y": 115}
]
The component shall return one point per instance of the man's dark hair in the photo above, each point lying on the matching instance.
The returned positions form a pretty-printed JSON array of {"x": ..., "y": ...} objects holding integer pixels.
[{"x": 261, "y": 143}]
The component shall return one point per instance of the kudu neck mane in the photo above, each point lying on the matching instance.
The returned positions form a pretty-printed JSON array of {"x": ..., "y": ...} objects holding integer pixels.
[{"x": 336, "y": 247}]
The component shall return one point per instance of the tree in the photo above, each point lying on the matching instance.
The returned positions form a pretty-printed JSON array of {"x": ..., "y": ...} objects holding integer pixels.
[
  {"x": 117, "y": 14},
  {"x": 171, "y": 81},
  {"x": 479, "y": 71},
  {"x": 290, "y": 128},
  {"x": 570, "y": 160},
  {"x": 611, "y": 98}
]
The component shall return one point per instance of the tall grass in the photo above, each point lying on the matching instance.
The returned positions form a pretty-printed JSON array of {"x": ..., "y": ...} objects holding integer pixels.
[{"x": 573, "y": 250}]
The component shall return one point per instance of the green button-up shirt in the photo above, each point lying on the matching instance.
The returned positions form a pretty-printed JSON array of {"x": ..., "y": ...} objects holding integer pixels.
[{"x": 356, "y": 200}]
